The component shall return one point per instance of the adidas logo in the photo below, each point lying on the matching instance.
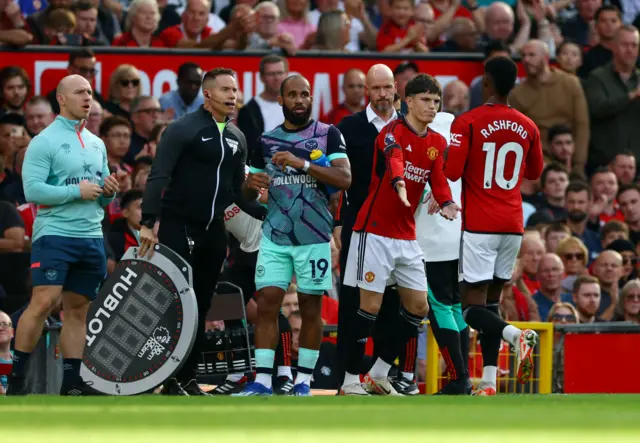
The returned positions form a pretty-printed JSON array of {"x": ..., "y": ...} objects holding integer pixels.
[{"x": 409, "y": 148}]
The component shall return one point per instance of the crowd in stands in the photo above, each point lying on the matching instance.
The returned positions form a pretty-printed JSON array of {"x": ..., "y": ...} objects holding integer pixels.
[{"x": 579, "y": 260}]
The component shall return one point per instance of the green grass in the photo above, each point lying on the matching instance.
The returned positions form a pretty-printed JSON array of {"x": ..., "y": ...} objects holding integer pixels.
[{"x": 586, "y": 418}]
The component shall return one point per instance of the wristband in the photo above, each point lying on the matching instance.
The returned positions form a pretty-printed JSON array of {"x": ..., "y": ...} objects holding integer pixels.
[{"x": 306, "y": 166}]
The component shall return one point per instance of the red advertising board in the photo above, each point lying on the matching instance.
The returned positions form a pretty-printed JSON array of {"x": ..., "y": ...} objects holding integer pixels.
[
  {"x": 158, "y": 70},
  {"x": 601, "y": 363}
]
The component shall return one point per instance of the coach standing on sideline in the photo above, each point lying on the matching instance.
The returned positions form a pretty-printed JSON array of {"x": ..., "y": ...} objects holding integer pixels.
[
  {"x": 200, "y": 160},
  {"x": 65, "y": 173}
]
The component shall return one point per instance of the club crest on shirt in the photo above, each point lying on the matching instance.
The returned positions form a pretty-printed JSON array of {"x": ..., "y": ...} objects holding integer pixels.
[
  {"x": 432, "y": 153},
  {"x": 66, "y": 147},
  {"x": 311, "y": 145},
  {"x": 369, "y": 277},
  {"x": 389, "y": 139}
]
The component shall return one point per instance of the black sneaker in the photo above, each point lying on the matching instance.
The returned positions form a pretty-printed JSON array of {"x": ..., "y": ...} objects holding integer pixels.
[
  {"x": 79, "y": 388},
  {"x": 284, "y": 386},
  {"x": 192, "y": 388},
  {"x": 172, "y": 387},
  {"x": 230, "y": 387},
  {"x": 17, "y": 386},
  {"x": 457, "y": 387},
  {"x": 404, "y": 386}
]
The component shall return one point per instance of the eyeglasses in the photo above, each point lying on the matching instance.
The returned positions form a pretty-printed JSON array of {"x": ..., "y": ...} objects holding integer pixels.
[
  {"x": 564, "y": 317},
  {"x": 133, "y": 82},
  {"x": 89, "y": 72},
  {"x": 629, "y": 260},
  {"x": 150, "y": 111},
  {"x": 573, "y": 256},
  {"x": 6, "y": 325}
]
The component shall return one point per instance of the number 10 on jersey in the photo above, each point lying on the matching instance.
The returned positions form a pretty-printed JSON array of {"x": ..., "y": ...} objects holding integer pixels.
[{"x": 498, "y": 176}]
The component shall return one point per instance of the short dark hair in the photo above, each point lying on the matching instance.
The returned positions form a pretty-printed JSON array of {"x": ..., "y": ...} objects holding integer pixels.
[
  {"x": 286, "y": 80},
  {"x": 584, "y": 280},
  {"x": 552, "y": 167},
  {"x": 495, "y": 46},
  {"x": 109, "y": 123},
  {"x": 272, "y": 59},
  {"x": 80, "y": 53},
  {"x": 606, "y": 8},
  {"x": 217, "y": 72},
  {"x": 601, "y": 170},
  {"x": 578, "y": 186},
  {"x": 625, "y": 188},
  {"x": 556, "y": 227},
  {"x": 129, "y": 197},
  {"x": 38, "y": 100},
  {"x": 567, "y": 42},
  {"x": 82, "y": 5},
  {"x": 422, "y": 83},
  {"x": 613, "y": 226},
  {"x": 184, "y": 69},
  {"x": 624, "y": 153},
  {"x": 405, "y": 66},
  {"x": 9, "y": 72},
  {"x": 503, "y": 73},
  {"x": 557, "y": 130},
  {"x": 135, "y": 104}
]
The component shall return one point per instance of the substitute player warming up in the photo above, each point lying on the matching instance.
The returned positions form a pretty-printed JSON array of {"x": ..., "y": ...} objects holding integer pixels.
[
  {"x": 65, "y": 173},
  {"x": 297, "y": 230},
  {"x": 383, "y": 248},
  {"x": 492, "y": 148}
]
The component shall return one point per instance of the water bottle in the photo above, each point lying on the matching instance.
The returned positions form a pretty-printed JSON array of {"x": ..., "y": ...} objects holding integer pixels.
[{"x": 318, "y": 158}]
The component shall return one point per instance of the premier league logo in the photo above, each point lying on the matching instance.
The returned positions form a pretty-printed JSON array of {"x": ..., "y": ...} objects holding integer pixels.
[
  {"x": 389, "y": 139},
  {"x": 141, "y": 325}
]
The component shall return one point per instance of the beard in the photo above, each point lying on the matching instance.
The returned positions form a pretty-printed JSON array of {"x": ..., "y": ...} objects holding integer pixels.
[
  {"x": 577, "y": 216},
  {"x": 382, "y": 105},
  {"x": 296, "y": 119}
]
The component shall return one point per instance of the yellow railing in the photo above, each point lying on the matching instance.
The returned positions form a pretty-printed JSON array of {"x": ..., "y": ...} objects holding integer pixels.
[{"x": 540, "y": 382}]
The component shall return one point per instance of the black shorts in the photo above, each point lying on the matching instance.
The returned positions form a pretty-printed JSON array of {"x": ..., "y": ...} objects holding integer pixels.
[
  {"x": 241, "y": 272},
  {"x": 442, "y": 279}
]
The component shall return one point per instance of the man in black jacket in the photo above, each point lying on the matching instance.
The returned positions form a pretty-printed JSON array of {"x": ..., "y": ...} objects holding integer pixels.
[{"x": 201, "y": 162}]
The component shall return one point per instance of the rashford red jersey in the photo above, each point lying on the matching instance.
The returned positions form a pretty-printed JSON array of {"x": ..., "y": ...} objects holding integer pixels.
[
  {"x": 402, "y": 154},
  {"x": 492, "y": 148}
]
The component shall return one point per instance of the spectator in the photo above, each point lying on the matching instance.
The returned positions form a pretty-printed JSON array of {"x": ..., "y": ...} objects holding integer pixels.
[
  {"x": 59, "y": 29},
  {"x": 607, "y": 22},
  {"x": 6, "y": 356},
  {"x": 87, "y": 24},
  {"x": 124, "y": 88},
  {"x": 323, "y": 6},
  {"x": 613, "y": 230},
  {"x": 227, "y": 11},
  {"x": 494, "y": 48},
  {"x": 578, "y": 28},
  {"x": 562, "y": 314},
  {"x": 499, "y": 25},
  {"x": 188, "y": 97},
  {"x": 575, "y": 256},
  {"x": 463, "y": 36},
  {"x": 446, "y": 12},
  {"x": 623, "y": 166},
  {"x": 38, "y": 114},
  {"x": 553, "y": 235},
  {"x": 140, "y": 25},
  {"x": 362, "y": 31},
  {"x": 11, "y": 228},
  {"x": 578, "y": 199},
  {"x": 82, "y": 62},
  {"x": 569, "y": 57},
  {"x": 604, "y": 186},
  {"x": 353, "y": 88},
  {"x": 550, "y": 97},
  {"x": 263, "y": 113},
  {"x": 13, "y": 138},
  {"x": 290, "y": 300},
  {"x": 614, "y": 105},
  {"x": 629, "y": 304},
  {"x": 36, "y": 21},
  {"x": 629, "y": 259},
  {"x": 11, "y": 188},
  {"x": 455, "y": 96},
  {"x": 116, "y": 133},
  {"x": 95, "y": 117},
  {"x": 145, "y": 111},
  {"x": 586, "y": 298},
  {"x": 124, "y": 231},
  {"x": 531, "y": 253},
  {"x": 403, "y": 73},
  {"x": 108, "y": 21},
  {"x": 629, "y": 201},
  {"x": 608, "y": 269},
  {"x": 295, "y": 21},
  {"x": 141, "y": 172},
  {"x": 400, "y": 32},
  {"x": 550, "y": 274},
  {"x": 15, "y": 86},
  {"x": 149, "y": 149},
  {"x": 561, "y": 145},
  {"x": 554, "y": 182},
  {"x": 12, "y": 25},
  {"x": 267, "y": 35},
  {"x": 333, "y": 31}
]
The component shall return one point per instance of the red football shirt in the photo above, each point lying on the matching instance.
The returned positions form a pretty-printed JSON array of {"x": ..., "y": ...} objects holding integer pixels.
[
  {"x": 492, "y": 148},
  {"x": 390, "y": 34},
  {"x": 172, "y": 35},
  {"x": 336, "y": 114},
  {"x": 402, "y": 154},
  {"x": 126, "y": 39},
  {"x": 28, "y": 214}
]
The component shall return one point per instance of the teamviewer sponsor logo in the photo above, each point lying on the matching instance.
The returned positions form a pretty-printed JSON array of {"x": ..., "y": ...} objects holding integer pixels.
[{"x": 416, "y": 174}]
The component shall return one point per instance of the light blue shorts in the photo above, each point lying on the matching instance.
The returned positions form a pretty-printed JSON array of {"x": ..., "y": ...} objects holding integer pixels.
[{"x": 311, "y": 265}]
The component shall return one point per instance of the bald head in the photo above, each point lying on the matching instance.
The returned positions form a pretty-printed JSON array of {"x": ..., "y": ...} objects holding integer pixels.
[
  {"x": 71, "y": 82},
  {"x": 296, "y": 80},
  {"x": 535, "y": 58},
  {"x": 381, "y": 87},
  {"x": 498, "y": 10},
  {"x": 74, "y": 95},
  {"x": 379, "y": 72},
  {"x": 499, "y": 21},
  {"x": 538, "y": 46},
  {"x": 456, "y": 97}
]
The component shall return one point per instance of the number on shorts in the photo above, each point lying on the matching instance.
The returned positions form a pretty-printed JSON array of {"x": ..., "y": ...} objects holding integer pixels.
[
  {"x": 322, "y": 265},
  {"x": 501, "y": 181}
]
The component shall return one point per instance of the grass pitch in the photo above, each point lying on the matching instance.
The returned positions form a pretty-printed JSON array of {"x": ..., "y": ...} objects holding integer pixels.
[{"x": 550, "y": 418}]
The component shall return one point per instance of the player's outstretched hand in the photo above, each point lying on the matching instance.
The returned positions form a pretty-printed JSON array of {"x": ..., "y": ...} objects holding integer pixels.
[
  {"x": 258, "y": 181},
  {"x": 433, "y": 204},
  {"x": 111, "y": 186},
  {"x": 148, "y": 241},
  {"x": 89, "y": 191},
  {"x": 286, "y": 158},
  {"x": 401, "y": 189},
  {"x": 450, "y": 212}
]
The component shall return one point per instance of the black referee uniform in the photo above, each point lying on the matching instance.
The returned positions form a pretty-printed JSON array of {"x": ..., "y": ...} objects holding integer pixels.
[{"x": 198, "y": 171}]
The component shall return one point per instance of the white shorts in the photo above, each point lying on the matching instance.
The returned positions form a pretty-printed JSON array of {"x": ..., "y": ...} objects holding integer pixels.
[
  {"x": 485, "y": 256},
  {"x": 375, "y": 262}
]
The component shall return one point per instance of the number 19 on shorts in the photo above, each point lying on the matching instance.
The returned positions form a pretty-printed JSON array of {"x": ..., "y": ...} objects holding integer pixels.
[{"x": 319, "y": 267}]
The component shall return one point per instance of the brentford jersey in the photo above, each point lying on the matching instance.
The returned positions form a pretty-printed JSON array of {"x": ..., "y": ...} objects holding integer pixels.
[
  {"x": 402, "y": 154},
  {"x": 492, "y": 148}
]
